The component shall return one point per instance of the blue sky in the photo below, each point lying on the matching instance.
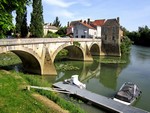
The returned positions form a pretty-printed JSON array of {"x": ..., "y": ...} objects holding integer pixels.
[{"x": 132, "y": 13}]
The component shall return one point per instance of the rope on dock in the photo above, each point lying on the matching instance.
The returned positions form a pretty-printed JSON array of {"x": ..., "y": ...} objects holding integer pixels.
[{"x": 48, "y": 89}]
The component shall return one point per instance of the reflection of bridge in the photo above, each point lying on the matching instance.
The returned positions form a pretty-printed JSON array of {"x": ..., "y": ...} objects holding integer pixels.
[
  {"x": 38, "y": 54},
  {"x": 88, "y": 72}
]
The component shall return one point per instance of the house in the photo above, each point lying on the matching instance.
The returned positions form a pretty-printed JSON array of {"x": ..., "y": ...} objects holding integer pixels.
[
  {"x": 85, "y": 29},
  {"x": 111, "y": 37},
  {"x": 48, "y": 27}
]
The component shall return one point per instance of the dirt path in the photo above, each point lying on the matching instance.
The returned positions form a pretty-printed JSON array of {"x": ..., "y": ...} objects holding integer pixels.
[{"x": 50, "y": 104}]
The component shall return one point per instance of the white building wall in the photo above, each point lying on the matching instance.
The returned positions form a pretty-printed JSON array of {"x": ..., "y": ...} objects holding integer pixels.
[
  {"x": 98, "y": 32},
  {"x": 46, "y": 29},
  {"x": 92, "y": 33},
  {"x": 80, "y": 31}
]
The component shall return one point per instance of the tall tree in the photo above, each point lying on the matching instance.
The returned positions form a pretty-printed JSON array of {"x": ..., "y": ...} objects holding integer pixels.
[
  {"x": 18, "y": 21},
  {"x": 24, "y": 27},
  {"x": 36, "y": 27},
  {"x": 6, "y": 8},
  {"x": 56, "y": 22},
  {"x": 21, "y": 22}
]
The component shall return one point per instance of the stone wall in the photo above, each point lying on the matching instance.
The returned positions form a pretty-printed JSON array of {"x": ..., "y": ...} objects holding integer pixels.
[{"x": 111, "y": 35}]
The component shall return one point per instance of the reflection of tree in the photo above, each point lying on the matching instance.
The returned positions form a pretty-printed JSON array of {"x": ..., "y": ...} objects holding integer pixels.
[
  {"x": 109, "y": 73},
  {"x": 141, "y": 52}
]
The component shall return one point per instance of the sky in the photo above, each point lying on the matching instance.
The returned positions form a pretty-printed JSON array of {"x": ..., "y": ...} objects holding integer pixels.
[{"x": 132, "y": 13}]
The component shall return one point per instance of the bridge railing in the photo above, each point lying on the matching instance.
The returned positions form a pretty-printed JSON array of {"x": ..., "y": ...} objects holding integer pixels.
[{"x": 4, "y": 42}]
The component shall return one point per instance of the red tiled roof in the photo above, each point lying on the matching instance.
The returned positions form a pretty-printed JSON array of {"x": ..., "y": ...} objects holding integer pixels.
[
  {"x": 98, "y": 22},
  {"x": 87, "y": 25},
  {"x": 91, "y": 24}
]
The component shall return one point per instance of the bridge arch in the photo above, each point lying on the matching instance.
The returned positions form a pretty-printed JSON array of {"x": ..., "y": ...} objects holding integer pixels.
[
  {"x": 31, "y": 61},
  {"x": 78, "y": 54},
  {"x": 95, "y": 49}
]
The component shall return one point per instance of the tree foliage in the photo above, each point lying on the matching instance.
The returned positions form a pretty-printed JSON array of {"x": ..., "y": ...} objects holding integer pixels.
[
  {"x": 125, "y": 41},
  {"x": 51, "y": 35},
  {"x": 125, "y": 45},
  {"x": 24, "y": 27},
  {"x": 62, "y": 31},
  {"x": 6, "y": 8},
  {"x": 36, "y": 27},
  {"x": 140, "y": 37},
  {"x": 56, "y": 22},
  {"x": 21, "y": 22}
]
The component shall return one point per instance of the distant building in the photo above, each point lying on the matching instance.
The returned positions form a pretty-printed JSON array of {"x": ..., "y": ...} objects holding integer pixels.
[
  {"x": 108, "y": 30},
  {"x": 85, "y": 29},
  {"x": 48, "y": 27}
]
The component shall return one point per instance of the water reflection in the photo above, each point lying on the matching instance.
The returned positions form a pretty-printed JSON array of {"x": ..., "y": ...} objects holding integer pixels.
[
  {"x": 109, "y": 75},
  {"x": 105, "y": 74}
]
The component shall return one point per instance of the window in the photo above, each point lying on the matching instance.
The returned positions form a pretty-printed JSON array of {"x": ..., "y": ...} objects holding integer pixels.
[
  {"x": 113, "y": 30},
  {"x": 76, "y": 31},
  {"x": 82, "y": 36},
  {"x": 113, "y": 38},
  {"x": 105, "y": 29},
  {"x": 105, "y": 37}
]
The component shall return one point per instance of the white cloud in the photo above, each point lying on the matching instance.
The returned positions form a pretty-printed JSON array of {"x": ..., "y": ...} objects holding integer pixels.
[
  {"x": 84, "y": 2},
  {"x": 63, "y": 13},
  {"x": 59, "y": 3}
]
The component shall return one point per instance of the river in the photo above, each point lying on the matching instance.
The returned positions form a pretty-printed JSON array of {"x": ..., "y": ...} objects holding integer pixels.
[{"x": 106, "y": 79}]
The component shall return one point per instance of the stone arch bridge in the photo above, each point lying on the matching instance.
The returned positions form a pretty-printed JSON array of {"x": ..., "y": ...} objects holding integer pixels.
[{"x": 38, "y": 54}]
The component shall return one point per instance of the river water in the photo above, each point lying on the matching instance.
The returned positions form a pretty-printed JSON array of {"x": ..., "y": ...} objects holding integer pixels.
[{"x": 106, "y": 79}]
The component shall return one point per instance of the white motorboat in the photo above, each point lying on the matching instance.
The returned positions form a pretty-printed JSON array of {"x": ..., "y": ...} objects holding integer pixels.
[{"x": 128, "y": 93}]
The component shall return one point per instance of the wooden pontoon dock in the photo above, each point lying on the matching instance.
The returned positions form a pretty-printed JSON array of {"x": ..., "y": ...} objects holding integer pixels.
[{"x": 100, "y": 101}]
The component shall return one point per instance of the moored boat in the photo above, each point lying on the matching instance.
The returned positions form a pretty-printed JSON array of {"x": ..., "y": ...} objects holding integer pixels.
[{"x": 128, "y": 93}]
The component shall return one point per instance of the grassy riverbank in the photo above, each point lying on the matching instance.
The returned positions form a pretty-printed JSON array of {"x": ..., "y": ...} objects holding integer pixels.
[{"x": 14, "y": 98}]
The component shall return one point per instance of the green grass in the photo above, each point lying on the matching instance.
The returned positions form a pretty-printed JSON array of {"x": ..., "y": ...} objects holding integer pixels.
[
  {"x": 68, "y": 105},
  {"x": 111, "y": 60},
  {"x": 13, "y": 99}
]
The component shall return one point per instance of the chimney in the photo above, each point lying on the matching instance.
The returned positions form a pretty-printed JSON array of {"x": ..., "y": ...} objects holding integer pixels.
[
  {"x": 118, "y": 20},
  {"x": 88, "y": 21},
  {"x": 68, "y": 24},
  {"x": 81, "y": 20},
  {"x": 84, "y": 21}
]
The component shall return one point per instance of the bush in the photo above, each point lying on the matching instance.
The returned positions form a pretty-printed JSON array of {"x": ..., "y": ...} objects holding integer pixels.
[
  {"x": 125, "y": 45},
  {"x": 51, "y": 35}
]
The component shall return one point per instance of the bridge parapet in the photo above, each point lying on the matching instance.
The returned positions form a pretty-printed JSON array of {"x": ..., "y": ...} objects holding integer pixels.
[{"x": 27, "y": 41}]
